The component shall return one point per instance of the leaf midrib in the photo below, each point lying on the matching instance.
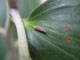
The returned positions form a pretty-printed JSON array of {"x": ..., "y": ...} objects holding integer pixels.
[
  {"x": 65, "y": 23},
  {"x": 60, "y": 34}
]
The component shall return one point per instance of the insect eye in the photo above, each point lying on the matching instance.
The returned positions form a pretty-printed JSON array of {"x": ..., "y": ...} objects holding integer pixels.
[{"x": 40, "y": 29}]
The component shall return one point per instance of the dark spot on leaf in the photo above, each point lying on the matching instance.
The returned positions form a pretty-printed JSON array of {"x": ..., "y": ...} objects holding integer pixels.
[{"x": 68, "y": 40}]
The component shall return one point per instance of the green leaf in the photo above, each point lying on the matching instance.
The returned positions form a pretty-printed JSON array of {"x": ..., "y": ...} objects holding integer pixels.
[
  {"x": 61, "y": 20},
  {"x": 3, "y": 12},
  {"x": 26, "y": 6}
]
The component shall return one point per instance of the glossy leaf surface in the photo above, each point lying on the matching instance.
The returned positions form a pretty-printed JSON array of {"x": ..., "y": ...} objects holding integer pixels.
[{"x": 61, "y": 20}]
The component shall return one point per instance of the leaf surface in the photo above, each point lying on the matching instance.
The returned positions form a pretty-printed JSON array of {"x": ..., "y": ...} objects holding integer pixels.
[{"x": 61, "y": 21}]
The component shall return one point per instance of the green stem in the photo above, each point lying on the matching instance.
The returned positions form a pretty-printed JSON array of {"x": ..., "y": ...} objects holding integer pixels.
[{"x": 23, "y": 44}]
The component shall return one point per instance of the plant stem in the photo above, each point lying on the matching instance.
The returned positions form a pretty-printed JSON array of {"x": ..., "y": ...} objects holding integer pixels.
[{"x": 23, "y": 44}]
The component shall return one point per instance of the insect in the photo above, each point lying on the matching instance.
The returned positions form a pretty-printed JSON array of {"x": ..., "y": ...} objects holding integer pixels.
[
  {"x": 68, "y": 40},
  {"x": 40, "y": 29}
]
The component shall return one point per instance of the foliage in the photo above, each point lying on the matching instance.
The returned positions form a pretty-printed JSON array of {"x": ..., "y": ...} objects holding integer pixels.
[{"x": 60, "y": 19}]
